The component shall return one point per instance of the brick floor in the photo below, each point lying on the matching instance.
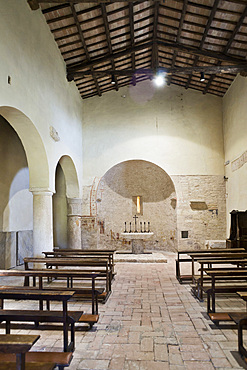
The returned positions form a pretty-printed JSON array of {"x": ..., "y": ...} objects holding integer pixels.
[{"x": 149, "y": 322}]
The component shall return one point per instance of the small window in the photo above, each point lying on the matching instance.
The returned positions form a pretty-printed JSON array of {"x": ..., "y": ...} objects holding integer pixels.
[
  {"x": 137, "y": 208},
  {"x": 184, "y": 234}
]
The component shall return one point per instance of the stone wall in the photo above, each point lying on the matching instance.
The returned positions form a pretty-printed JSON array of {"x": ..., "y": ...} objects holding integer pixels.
[
  {"x": 188, "y": 215},
  {"x": 201, "y": 209}
]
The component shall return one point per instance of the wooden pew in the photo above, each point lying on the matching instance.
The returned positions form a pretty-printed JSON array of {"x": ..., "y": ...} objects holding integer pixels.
[
  {"x": 68, "y": 319},
  {"x": 232, "y": 281},
  {"x": 68, "y": 274},
  {"x": 181, "y": 278},
  {"x": 198, "y": 288},
  {"x": 80, "y": 253},
  {"x": 241, "y": 320},
  {"x": 91, "y": 265}
]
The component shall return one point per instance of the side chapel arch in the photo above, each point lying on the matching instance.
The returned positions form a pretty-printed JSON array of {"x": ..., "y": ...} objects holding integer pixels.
[{"x": 67, "y": 205}]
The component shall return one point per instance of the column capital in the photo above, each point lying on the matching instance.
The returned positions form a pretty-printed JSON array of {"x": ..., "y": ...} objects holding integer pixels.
[
  {"x": 41, "y": 191},
  {"x": 74, "y": 206}
]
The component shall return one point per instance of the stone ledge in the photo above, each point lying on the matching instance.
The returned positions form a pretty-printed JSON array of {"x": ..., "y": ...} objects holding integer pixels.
[{"x": 141, "y": 258}]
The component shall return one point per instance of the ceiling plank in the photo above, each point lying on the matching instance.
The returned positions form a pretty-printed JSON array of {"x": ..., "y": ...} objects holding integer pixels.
[
  {"x": 73, "y": 68},
  {"x": 178, "y": 37},
  {"x": 132, "y": 38},
  {"x": 209, "y": 22},
  {"x": 84, "y": 44},
  {"x": 175, "y": 70},
  {"x": 108, "y": 39},
  {"x": 187, "y": 49},
  {"x": 228, "y": 45},
  {"x": 154, "y": 59}
]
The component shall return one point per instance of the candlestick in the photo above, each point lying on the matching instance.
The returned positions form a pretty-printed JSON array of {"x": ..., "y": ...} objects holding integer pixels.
[
  {"x": 148, "y": 227},
  {"x": 141, "y": 226},
  {"x": 125, "y": 224},
  {"x": 144, "y": 226},
  {"x": 130, "y": 227}
]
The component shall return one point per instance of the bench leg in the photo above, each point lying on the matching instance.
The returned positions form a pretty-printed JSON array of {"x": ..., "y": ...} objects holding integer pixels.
[
  {"x": 65, "y": 336},
  {"x": 241, "y": 349},
  {"x": 20, "y": 361},
  {"x": 7, "y": 327},
  {"x": 72, "y": 328}
]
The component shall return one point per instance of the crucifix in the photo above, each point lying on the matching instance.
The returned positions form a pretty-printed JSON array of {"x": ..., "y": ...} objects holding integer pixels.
[{"x": 135, "y": 217}]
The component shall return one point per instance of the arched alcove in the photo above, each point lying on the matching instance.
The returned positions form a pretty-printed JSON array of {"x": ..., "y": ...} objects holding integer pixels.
[
  {"x": 71, "y": 177},
  {"x": 33, "y": 145},
  {"x": 116, "y": 204},
  {"x": 66, "y": 202}
]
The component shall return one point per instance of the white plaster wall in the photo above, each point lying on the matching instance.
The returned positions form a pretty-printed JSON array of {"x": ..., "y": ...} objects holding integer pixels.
[
  {"x": 179, "y": 130},
  {"x": 38, "y": 86},
  {"x": 235, "y": 143}
]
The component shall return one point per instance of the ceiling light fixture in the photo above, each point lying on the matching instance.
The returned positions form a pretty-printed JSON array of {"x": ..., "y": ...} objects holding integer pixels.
[
  {"x": 113, "y": 82},
  {"x": 202, "y": 77},
  {"x": 159, "y": 80}
]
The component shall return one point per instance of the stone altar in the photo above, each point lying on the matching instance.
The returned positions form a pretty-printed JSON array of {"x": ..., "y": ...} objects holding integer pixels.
[{"x": 137, "y": 240}]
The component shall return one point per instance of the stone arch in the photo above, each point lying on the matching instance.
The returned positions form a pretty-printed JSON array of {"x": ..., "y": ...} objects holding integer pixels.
[
  {"x": 115, "y": 194},
  {"x": 33, "y": 146},
  {"x": 71, "y": 177}
]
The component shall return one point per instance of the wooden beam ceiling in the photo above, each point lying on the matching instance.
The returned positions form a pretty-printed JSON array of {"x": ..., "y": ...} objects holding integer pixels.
[{"x": 131, "y": 40}]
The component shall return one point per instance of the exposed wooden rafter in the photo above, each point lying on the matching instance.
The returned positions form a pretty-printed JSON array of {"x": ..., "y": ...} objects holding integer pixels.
[
  {"x": 208, "y": 25},
  {"x": 228, "y": 45},
  {"x": 79, "y": 30},
  {"x": 133, "y": 39},
  {"x": 186, "y": 49},
  {"x": 174, "y": 70},
  {"x": 178, "y": 36},
  {"x": 108, "y": 38}
]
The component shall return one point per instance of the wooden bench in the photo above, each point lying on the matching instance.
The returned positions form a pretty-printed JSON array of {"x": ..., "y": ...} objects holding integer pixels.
[
  {"x": 241, "y": 320},
  {"x": 91, "y": 265},
  {"x": 16, "y": 347},
  {"x": 181, "y": 277},
  {"x": 68, "y": 274},
  {"x": 198, "y": 281},
  {"x": 83, "y": 253},
  {"x": 67, "y": 319},
  {"x": 231, "y": 279},
  {"x": 60, "y": 359}
]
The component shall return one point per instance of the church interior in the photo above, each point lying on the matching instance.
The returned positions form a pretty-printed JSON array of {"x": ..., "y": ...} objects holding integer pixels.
[{"x": 123, "y": 136}]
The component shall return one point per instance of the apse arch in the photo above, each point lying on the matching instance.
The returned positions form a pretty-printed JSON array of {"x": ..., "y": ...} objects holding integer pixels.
[
  {"x": 71, "y": 177},
  {"x": 33, "y": 146},
  {"x": 116, "y": 204}
]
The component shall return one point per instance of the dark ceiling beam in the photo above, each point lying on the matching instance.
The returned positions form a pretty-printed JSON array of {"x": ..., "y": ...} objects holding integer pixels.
[
  {"x": 132, "y": 38},
  {"x": 75, "y": 2},
  {"x": 187, "y": 49},
  {"x": 85, "y": 64},
  {"x": 203, "y": 52},
  {"x": 209, "y": 22},
  {"x": 154, "y": 59},
  {"x": 55, "y": 8},
  {"x": 228, "y": 45},
  {"x": 178, "y": 37},
  {"x": 108, "y": 39},
  {"x": 174, "y": 70},
  {"x": 84, "y": 44},
  {"x": 34, "y": 4}
]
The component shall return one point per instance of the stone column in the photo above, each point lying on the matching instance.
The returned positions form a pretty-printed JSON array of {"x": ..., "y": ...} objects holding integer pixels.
[
  {"x": 74, "y": 222},
  {"x": 42, "y": 222}
]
